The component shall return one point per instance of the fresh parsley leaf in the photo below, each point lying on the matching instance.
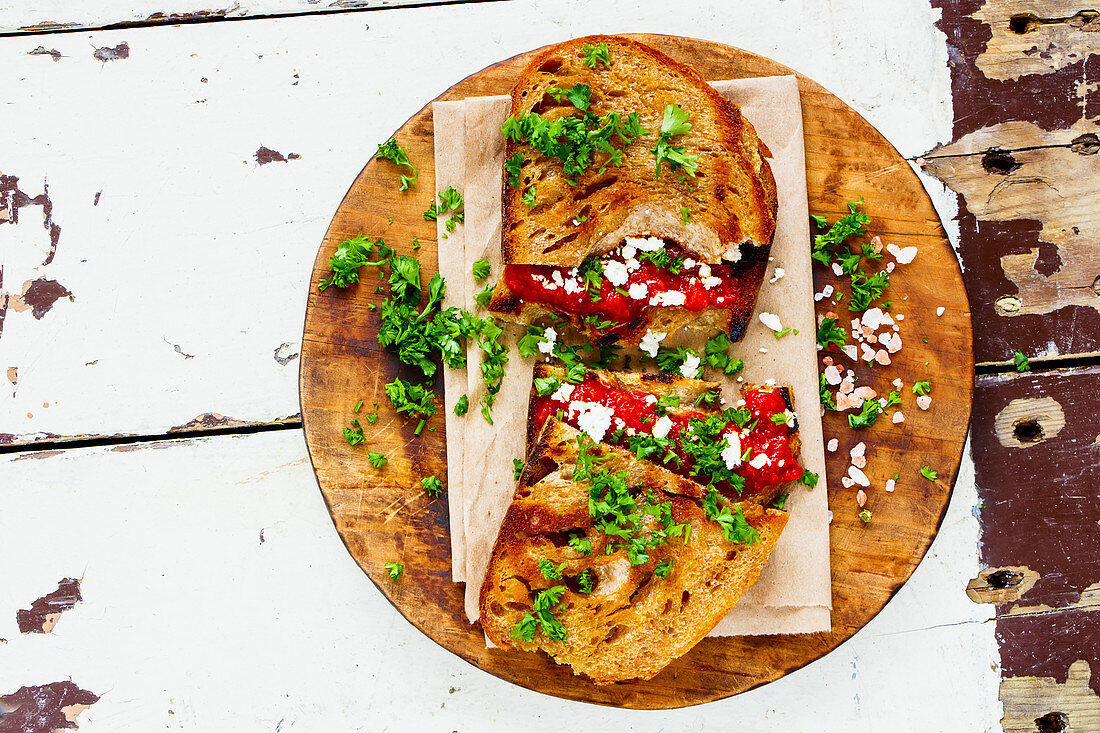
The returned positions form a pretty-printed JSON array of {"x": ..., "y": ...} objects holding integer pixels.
[
  {"x": 893, "y": 398},
  {"x": 852, "y": 224},
  {"x": 866, "y": 289},
  {"x": 869, "y": 252},
  {"x": 432, "y": 486},
  {"x": 390, "y": 150},
  {"x": 716, "y": 355},
  {"x": 827, "y": 400},
  {"x": 929, "y": 473},
  {"x": 376, "y": 459},
  {"x": 868, "y": 414},
  {"x": 394, "y": 569},
  {"x": 517, "y": 469},
  {"x": 595, "y": 55},
  {"x": 665, "y": 403},
  {"x": 354, "y": 434},
  {"x": 591, "y": 271},
  {"x": 820, "y": 221},
  {"x": 414, "y": 399},
  {"x": 780, "y": 502},
  {"x": 674, "y": 122},
  {"x": 830, "y": 333},
  {"x": 485, "y": 295},
  {"x": 372, "y": 417},
  {"x": 350, "y": 255},
  {"x": 462, "y": 406},
  {"x": 549, "y": 570},
  {"x": 809, "y": 478},
  {"x": 513, "y": 167},
  {"x": 685, "y": 214},
  {"x": 735, "y": 527},
  {"x": 546, "y": 385},
  {"x": 662, "y": 569},
  {"x": 922, "y": 387},
  {"x": 784, "y": 332},
  {"x": 542, "y": 618},
  {"x": 671, "y": 361},
  {"x": 586, "y": 581},
  {"x": 530, "y": 198},
  {"x": 481, "y": 269},
  {"x": 358, "y": 406},
  {"x": 1021, "y": 362},
  {"x": 528, "y": 343},
  {"x": 450, "y": 200}
]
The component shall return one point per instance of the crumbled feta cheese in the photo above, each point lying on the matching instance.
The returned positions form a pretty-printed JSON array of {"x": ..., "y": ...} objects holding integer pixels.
[
  {"x": 592, "y": 418},
  {"x": 563, "y": 393},
  {"x": 759, "y": 461},
  {"x": 940, "y": 311},
  {"x": 638, "y": 291},
  {"x": 572, "y": 285},
  {"x": 668, "y": 297},
  {"x": 904, "y": 255},
  {"x": 662, "y": 426},
  {"x": 550, "y": 337},
  {"x": 769, "y": 382},
  {"x": 704, "y": 270},
  {"x": 832, "y": 446},
  {"x": 779, "y": 273},
  {"x": 710, "y": 282},
  {"x": 690, "y": 368},
  {"x": 556, "y": 275},
  {"x": 731, "y": 454},
  {"x": 689, "y": 263},
  {"x": 771, "y": 320},
  {"x": 733, "y": 253},
  {"x": 651, "y": 399},
  {"x": 615, "y": 272},
  {"x": 651, "y": 341},
  {"x": 629, "y": 252},
  {"x": 646, "y": 244},
  {"x": 763, "y": 350}
]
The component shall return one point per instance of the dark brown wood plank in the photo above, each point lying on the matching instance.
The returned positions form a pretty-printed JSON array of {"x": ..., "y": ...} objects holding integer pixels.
[{"x": 382, "y": 515}]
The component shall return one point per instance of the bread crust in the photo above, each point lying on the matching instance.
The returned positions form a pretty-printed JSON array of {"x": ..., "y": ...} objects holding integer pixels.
[
  {"x": 632, "y": 623},
  {"x": 733, "y": 201}
]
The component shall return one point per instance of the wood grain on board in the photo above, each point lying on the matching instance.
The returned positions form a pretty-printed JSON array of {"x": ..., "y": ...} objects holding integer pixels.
[
  {"x": 1024, "y": 163},
  {"x": 384, "y": 514}
]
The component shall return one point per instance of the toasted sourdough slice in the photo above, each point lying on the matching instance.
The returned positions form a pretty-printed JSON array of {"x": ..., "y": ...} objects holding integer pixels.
[
  {"x": 625, "y": 395},
  {"x": 520, "y": 297},
  {"x": 632, "y": 622},
  {"x": 731, "y": 199}
]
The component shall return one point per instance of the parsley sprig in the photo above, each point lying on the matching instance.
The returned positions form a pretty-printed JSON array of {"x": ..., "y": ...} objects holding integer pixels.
[
  {"x": 674, "y": 122},
  {"x": 735, "y": 527},
  {"x": 450, "y": 200},
  {"x": 596, "y": 54},
  {"x": 390, "y": 150},
  {"x": 542, "y": 618}
]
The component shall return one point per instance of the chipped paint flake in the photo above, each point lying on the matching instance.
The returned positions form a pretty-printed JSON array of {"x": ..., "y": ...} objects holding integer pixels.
[
  {"x": 44, "y": 613},
  {"x": 117, "y": 53},
  {"x": 45, "y": 708}
]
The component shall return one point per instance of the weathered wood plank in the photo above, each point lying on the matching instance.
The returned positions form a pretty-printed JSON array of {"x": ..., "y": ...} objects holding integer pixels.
[
  {"x": 220, "y": 551},
  {"x": 187, "y": 259},
  {"x": 61, "y": 15},
  {"x": 1023, "y": 162}
]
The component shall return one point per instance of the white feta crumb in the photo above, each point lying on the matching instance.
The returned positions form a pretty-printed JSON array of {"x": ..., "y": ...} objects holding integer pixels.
[
  {"x": 771, "y": 320},
  {"x": 733, "y": 253},
  {"x": 662, "y": 426},
  {"x": 651, "y": 341},
  {"x": 769, "y": 382},
  {"x": 615, "y": 272},
  {"x": 940, "y": 311},
  {"x": 638, "y": 291},
  {"x": 651, "y": 399},
  {"x": 731, "y": 454},
  {"x": 759, "y": 461},
  {"x": 629, "y": 252},
  {"x": 668, "y": 297},
  {"x": 690, "y": 368},
  {"x": 592, "y": 418},
  {"x": 689, "y": 263},
  {"x": 646, "y": 244},
  {"x": 572, "y": 285},
  {"x": 632, "y": 264},
  {"x": 563, "y": 393},
  {"x": 550, "y": 337},
  {"x": 711, "y": 281},
  {"x": 763, "y": 350},
  {"x": 779, "y": 273},
  {"x": 704, "y": 269}
]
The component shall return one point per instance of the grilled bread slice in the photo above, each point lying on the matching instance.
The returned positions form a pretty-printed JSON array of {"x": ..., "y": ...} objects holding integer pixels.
[
  {"x": 637, "y": 617},
  {"x": 731, "y": 200},
  {"x": 693, "y": 398}
]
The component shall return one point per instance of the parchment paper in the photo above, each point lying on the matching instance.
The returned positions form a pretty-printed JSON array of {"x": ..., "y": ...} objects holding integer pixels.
[{"x": 793, "y": 594}]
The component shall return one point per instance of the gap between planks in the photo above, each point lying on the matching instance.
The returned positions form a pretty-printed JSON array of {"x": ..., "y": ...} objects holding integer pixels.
[
  {"x": 43, "y": 30},
  {"x": 49, "y": 444}
]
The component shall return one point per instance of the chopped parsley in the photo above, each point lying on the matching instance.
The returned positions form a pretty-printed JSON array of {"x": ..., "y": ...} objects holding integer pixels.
[
  {"x": 481, "y": 269},
  {"x": 716, "y": 355},
  {"x": 530, "y": 198},
  {"x": 581, "y": 544},
  {"x": 591, "y": 272},
  {"x": 852, "y": 224},
  {"x": 674, "y": 122},
  {"x": 513, "y": 167},
  {"x": 922, "y": 387},
  {"x": 450, "y": 200},
  {"x": 809, "y": 478},
  {"x": 1021, "y": 362},
  {"x": 685, "y": 214},
  {"x": 415, "y": 399},
  {"x": 549, "y": 570},
  {"x": 663, "y": 569},
  {"x": 830, "y": 333},
  {"x": 866, "y": 289},
  {"x": 546, "y": 385},
  {"x": 462, "y": 406},
  {"x": 665, "y": 403},
  {"x": 372, "y": 417},
  {"x": 671, "y": 361},
  {"x": 596, "y": 54},
  {"x": 542, "y": 618},
  {"x": 929, "y": 473},
  {"x": 394, "y": 569},
  {"x": 517, "y": 468},
  {"x": 528, "y": 343},
  {"x": 868, "y": 414},
  {"x": 784, "y": 332},
  {"x": 893, "y": 398},
  {"x": 432, "y": 486},
  {"x": 826, "y": 396},
  {"x": 780, "y": 502},
  {"x": 820, "y": 221},
  {"x": 376, "y": 459},
  {"x": 390, "y": 150},
  {"x": 586, "y": 581},
  {"x": 485, "y": 295},
  {"x": 350, "y": 255},
  {"x": 354, "y": 434},
  {"x": 735, "y": 527}
]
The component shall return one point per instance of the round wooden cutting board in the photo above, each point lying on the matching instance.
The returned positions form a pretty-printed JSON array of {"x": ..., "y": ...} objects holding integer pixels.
[{"x": 383, "y": 515}]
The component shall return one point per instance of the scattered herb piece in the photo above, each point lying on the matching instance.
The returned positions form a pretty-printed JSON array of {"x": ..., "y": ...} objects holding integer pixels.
[
  {"x": 929, "y": 473},
  {"x": 462, "y": 406},
  {"x": 596, "y": 54},
  {"x": 549, "y": 570},
  {"x": 780, "y": 502},
  {"x": 542, "y": 618},
  {"x": 581, "y": 544},
  {"x": 485, "y": 295},
  {"x": 350, "y": 255},
  {"x": 830, "y": 333},
  {"x": 662, "y": 569},
  {"x": 1021, "y": 362},
  {"x": 530, "y": 198},
  {"x": 433, "y": 487},
  {"x": 376, "y": 459},
  {"x": 513, "y": 167},
  {"x": 517, "y": 469},
  {"x": 586, "y": 581},
  {"x": 868, "y": 414},
  {"x": 685, "y": 214},
  {"x": 865, "y": 516},
  {"x": 735, "y": 527},
  {"x": 922, "y": 388},
  {"x": 674, "y": 122},
  {"x": 354, "y": 434},
  {"x": 716, "y": 355},
  {"x": 414, "y": 399},
  {"x": 481, "y": 269},
  {"x": 394, "y": 569},
  {"x": 390, "y": 150}
]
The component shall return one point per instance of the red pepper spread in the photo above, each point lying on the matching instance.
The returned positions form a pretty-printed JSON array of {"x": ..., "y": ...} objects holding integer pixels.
[{"x": 635, "y": 411}]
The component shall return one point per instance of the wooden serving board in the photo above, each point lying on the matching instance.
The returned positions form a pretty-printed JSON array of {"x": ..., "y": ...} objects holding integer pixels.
[{"x": 383, "y": 515}]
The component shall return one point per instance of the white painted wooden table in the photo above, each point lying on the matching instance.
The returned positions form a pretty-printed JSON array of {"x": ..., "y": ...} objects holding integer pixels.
[{"x": 216, "y": 592}]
